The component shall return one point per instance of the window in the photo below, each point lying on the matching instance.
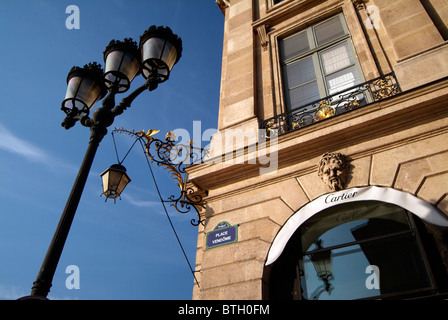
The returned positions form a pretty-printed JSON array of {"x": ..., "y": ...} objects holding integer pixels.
[
  {"x": 318, "y": 62},
  {"x": 360, "y": 250}
]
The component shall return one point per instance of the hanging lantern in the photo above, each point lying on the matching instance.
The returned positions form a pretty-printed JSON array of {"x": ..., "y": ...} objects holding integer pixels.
[{"x": 115, "y": 180}]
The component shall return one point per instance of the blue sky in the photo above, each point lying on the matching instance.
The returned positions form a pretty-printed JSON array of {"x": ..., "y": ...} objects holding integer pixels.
[{"x": 125, "y": 250}]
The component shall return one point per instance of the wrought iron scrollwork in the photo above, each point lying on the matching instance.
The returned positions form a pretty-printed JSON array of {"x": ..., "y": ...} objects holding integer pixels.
[
  {"x": 351, "y": 98},
  {"x": 174, "y": 157}
]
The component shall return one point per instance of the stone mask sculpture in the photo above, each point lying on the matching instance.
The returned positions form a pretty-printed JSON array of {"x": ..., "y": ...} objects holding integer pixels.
[{"x": 333, "y": 170}]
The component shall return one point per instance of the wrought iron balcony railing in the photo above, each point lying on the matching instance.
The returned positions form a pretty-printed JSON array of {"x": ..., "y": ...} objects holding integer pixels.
[{"x": 350, "y": 99}]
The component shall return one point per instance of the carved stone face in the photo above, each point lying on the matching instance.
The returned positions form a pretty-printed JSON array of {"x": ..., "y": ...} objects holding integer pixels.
[{"x": 333, "y": 170}]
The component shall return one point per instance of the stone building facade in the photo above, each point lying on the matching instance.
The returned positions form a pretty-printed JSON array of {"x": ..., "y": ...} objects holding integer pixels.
[{"x": 330, "y": 163}]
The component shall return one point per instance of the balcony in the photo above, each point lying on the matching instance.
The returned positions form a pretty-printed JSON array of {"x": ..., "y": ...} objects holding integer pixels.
[{"x": 350, "y": 99}]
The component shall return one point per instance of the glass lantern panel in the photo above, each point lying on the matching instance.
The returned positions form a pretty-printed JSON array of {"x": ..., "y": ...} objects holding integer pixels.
[
  {"x": 71, "y": 97},
  {"x": 113, "y": 61},
  {"x": 72, "y": 87},
  {"x": 121, "y": 68},
  {"x": 123, "y": 183},
  {"x": 159, "y": 53},
  {"x": 130, "y": 66},
  {"x": 89, "y": 92},
  {"x": 169, "y": 55},
  {"x": 105, "y": 179},
  {"x": 152, "y": 48}
]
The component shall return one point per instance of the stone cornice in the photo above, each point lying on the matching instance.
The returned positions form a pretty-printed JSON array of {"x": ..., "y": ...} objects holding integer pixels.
[
  {"x": 288, "y": 10},
  {"x": 223, "y": 5}
]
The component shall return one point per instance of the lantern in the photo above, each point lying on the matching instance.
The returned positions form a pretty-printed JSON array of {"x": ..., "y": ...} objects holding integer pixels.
[
  {"x": 160, "y": 50},
  {"x": 122, "y": 61},
  {"x": 85, "y": 87},
  {"x": 115, "y": 180}
]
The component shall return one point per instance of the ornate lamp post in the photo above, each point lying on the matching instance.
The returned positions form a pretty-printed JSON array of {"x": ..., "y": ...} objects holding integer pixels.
[{"x": 158, "y": 51}]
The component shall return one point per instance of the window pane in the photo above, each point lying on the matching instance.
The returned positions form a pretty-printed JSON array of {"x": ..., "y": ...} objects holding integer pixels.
[
  {"x": 294, "y": 45},
  {"x": 399, "y": 264},
  {"x": 329, "y": 30},
  {"x": 347, "y": 223},
  {"x": 347, "y": 279},
  {"x": 302, "y": 95},
  {"x": 300, "y": 72},
  {"x": 336, "y": 58},
  {"x": 344, "y": 79}
]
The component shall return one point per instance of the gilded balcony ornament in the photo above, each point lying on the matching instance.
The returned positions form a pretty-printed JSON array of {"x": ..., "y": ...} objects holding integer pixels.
[
  {"x": 324, "y": 111},
  {"x": 270, "y": 130},
  {"x": 355, "y": 97},
  {"x": 385, "y": 89},
  {"x": 296, "y": 125},
  {"x": 352, "y": 104}
]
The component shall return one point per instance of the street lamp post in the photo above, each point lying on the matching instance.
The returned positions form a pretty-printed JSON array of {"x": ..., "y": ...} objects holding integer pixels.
[{"x": 158, "y": 51}]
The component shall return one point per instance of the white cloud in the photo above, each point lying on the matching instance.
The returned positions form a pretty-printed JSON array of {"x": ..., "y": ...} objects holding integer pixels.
[
  {"x": 11, "y": 143},
  {"x": 8, "y": 292},
  {"x": 140, "y": 203}
]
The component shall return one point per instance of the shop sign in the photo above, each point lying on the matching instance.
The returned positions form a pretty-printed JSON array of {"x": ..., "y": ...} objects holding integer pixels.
[{"x": 223, "y": 234}]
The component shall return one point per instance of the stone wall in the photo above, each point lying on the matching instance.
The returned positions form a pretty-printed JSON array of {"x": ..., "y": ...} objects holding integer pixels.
[{"x": 399, "y": 143}]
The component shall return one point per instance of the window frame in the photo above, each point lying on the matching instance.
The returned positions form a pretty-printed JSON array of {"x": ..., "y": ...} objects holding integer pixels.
[
  {"x": 314, "y": 52},
  {"x": 275, "y": 3}
]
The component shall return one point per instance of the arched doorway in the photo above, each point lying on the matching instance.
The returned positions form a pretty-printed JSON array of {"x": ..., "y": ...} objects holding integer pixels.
[{"x": 360, "y": 243}]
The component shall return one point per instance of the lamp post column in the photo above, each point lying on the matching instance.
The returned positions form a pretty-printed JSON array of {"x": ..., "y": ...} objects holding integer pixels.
[
  {"x": 44, "y": 279},
  {"x": 159, "y": 50}
]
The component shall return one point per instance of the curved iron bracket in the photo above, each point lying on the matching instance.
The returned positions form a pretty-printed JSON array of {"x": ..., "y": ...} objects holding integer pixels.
[{"x": 174, "y": 158}]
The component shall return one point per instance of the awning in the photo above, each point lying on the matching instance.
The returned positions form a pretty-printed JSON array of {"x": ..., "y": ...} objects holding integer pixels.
[{"x": 419, "y": 207}]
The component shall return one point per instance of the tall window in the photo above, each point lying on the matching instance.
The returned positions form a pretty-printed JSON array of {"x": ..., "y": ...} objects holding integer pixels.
[{"x": 318, "y": 62}]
